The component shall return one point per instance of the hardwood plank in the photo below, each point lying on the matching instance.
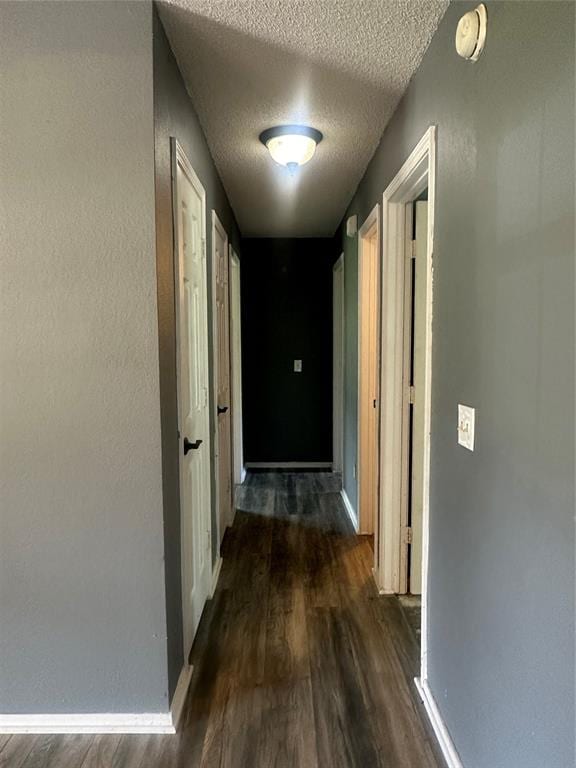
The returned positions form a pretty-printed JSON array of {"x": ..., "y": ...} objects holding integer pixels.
[
  {"x": 101, "y": 751},
  {"x": 16, "y": 750},
  {"x": 63, "y": 751}
]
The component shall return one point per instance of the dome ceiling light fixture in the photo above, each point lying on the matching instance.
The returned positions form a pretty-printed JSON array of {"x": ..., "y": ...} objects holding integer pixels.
[{"x": 291, "y": 145}]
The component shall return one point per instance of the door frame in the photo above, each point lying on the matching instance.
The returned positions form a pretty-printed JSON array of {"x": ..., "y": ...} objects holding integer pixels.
[
  {"x": 338, "y": 321},
  {"x": 415, "y": 175},
  {"x": 216, "y": 225},
  {"x": 239, "y": 472},
  {"x": 178, "y": 158},
  {"x": 370, "y": 227}
]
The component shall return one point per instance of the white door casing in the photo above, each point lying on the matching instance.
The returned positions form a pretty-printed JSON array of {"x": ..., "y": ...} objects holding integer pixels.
[
  {"x": 193, "y": 383},
  {"x": 338, "y": 365},
  {"x": 418, "y": 382},
  {"x": 236, "y": 368}
]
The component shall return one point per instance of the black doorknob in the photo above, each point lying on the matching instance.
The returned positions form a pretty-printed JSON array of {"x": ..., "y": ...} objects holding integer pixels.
[
  {"x": 222, "y": 409},
  {"x": 188, "y": 446}
]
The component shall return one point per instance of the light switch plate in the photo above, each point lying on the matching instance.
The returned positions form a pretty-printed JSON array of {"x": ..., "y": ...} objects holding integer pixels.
[
  {"x": 297, "y": 366},
  {"x": 466, "y": 419}
]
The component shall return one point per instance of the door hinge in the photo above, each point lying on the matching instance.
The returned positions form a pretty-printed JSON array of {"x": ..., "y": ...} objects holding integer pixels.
[
  {"x": 407, "y": 534},
  {"x": 412, "y": 251},
  {"x": 411, "y": 395}
]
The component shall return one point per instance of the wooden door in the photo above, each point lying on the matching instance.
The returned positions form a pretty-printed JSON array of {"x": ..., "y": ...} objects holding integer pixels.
[
  {"x": 369, "y": 379},
  {"x": 222, "y": 372},
  {"x": 193, "y": 383}
]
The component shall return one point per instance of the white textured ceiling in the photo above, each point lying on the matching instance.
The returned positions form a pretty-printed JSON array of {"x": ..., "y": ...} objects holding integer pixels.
[{"x": 338, "y": 65}]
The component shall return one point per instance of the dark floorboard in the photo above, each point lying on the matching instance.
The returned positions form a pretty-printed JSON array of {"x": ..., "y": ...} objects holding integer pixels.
[{"x": 298, "y": 662}]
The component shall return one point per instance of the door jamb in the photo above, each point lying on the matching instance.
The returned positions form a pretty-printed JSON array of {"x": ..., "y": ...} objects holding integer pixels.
[
  {"x": 216, "y": 225},
  {"x": 338, "y": 374},
  {"x": 239, "y": 472},
  {"x": 417, "y": 173},
  {"x": 372, "y": 222}
]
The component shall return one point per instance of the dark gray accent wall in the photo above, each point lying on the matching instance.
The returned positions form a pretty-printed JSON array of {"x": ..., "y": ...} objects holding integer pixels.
[
  {"x": 501, "y": 640},
  {"x": 82, "y": 616},
  {"x": 287, "y": 316},
  {"x": 174, "y": 115}
]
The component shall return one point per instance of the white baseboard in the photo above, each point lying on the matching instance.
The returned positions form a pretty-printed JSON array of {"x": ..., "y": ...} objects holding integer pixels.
[
  {"x": 288, "y": 465},
  {"x": 180, "y": 695},
  {"x": 216, "y": 575},
  {"x": 446, "y": 743},
  {"x": 350, "y": 509},
  {"x": 112, "y": 722}
]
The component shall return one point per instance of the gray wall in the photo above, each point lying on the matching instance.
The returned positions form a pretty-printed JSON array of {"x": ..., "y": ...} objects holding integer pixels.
[
  {"x": 174, "y": 115},
  {"x": 501, "y": 643},
  {"x": 83, "y": 625}
]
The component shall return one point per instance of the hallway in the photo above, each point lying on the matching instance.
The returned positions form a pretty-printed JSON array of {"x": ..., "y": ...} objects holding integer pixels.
[{"x": 297, "y": 663}]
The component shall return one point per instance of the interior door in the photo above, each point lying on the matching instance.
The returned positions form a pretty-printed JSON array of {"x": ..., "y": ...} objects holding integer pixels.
[
  {"x": 193, "y": 383},
  {"x": 223, "y": 400},
  {"x": 418, "y": 374}
]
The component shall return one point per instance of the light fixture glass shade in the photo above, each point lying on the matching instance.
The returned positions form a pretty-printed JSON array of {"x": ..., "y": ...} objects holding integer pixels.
[
  {"x": 291, "y": 149},
  {"x": 291, "y": 145}
]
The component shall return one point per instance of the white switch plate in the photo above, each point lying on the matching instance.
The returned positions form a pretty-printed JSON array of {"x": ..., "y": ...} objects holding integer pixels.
[
  {"x": 297, "y": 366},
  {"x": 466, "y": 419}
]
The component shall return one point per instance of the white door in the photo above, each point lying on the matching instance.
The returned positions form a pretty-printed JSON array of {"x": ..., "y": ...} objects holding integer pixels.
[
  {"x": 418, "y": 382},
  {"x": 193, "y": 383},
  {"x": 236, "y": 368},
  {"x": 222, "y": 374},
  {"x": 338, "y": 364}
]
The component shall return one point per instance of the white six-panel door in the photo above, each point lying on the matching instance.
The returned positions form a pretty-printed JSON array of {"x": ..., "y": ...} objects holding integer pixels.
[
  {"x": 222, "y": 374},
  {"x": 193, "y": 383}
]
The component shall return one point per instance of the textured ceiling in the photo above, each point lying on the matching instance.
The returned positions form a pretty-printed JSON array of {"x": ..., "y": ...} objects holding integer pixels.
[{"x": 338, "y": 65}]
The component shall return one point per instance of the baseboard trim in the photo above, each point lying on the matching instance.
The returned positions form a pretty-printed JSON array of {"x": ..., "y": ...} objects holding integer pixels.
[
  {"x": 179, "y": 698},
  {"x": 288, "y": 465},
  {"x": 155, "y": 722},
  {"x": 350, "y": 509},
  {"x": 216, "y": 575},
  {"x": 442, "y": 734},
  {"x": 113, "y": 722}
]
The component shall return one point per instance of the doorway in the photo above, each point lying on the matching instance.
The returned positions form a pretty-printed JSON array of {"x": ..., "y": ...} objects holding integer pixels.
[
  {"x": 221, "y": 342},
  {"x": 338, "y": 365},
  {"x": 408, "y": 225},
  {"x": 192, "y": 391},
  {"x": 368, "y": 371}
]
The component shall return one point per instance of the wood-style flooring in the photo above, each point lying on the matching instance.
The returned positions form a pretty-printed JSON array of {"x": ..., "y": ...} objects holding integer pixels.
[{"x": 298, "y": 662}]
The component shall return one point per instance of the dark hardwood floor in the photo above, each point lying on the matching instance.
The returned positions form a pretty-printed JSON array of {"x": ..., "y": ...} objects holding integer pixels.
[{"x": 298, "y": 662}]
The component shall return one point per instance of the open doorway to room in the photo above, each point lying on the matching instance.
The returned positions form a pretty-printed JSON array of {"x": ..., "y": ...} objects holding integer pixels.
[
  {"x": 408, "y": 225},
  {"x": 410, "y": 587},
  {"x": 368, "y": 372}
]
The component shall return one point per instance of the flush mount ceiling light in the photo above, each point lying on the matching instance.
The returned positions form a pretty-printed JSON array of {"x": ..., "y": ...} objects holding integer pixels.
[{"x": 291, "y": 145}]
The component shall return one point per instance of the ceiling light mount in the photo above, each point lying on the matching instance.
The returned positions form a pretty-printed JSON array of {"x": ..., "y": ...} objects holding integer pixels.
[{"x": 291, "y": 145}]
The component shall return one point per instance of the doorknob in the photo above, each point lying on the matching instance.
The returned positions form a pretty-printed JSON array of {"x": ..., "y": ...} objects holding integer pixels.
[
  {"x": 222, "y": 409},
  {"x": 188, "y": 446}
]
